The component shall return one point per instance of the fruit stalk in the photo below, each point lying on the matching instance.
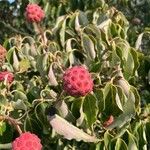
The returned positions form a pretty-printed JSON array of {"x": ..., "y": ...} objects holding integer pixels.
[{"x": 6, "y": 146}]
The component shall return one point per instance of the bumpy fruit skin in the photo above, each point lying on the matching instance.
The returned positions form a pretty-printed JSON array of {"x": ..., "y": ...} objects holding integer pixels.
[
  {"x": 2, "y": 55},
  {"x": 34, "y": 13},
  {"x": 6, "y": 75},
  {"x": 27, "y": 141},
  {"x": 77, "y": 81}
]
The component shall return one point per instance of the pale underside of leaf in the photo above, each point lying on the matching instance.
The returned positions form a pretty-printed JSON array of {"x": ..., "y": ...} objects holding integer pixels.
[
  {"x": 52, "y": 78},
  {"x": 69, "y": 131}
]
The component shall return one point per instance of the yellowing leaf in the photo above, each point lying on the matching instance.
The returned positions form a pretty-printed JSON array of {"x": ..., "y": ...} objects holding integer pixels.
[{"x": 24, "y": 65}]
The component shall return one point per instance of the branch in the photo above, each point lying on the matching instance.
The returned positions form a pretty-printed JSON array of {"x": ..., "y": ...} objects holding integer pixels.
[
  {"x": 13, "y": 29},
  {"x": 13, "y": 122}
]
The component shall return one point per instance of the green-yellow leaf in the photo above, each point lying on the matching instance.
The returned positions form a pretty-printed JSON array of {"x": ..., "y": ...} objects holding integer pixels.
[{"x": 24, "y": 65}]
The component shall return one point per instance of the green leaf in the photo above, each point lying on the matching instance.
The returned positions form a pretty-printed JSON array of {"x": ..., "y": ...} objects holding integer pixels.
[
  {"x": 19, "y": 104},
  {"x": 42, "y": 64},
  {"x": 9, "y": 55},
  {"x": 121, "y": 145},
  {"x": 58, "y": 24},
  {"x": 115, "y": 58},
  {"x": 90, "y": 109},
  {"x": 134, "y": 91},
  {"x": 100, "y": 99},
  {"x": 19, "y": 95},
  {"x": 83, "y": 18},
  {"x": 81, "y": 120},
  {"x": 75, "y": 107},
  {"x": 32, "y": 124},
  {"x": 128, "y": 66},
  {"x": 7, "y": 135},
  {"x": 70, "y": 50},
  {"x": 2, "y": 127},
  {"x": 107, "y": 139},
  {"x": 100, "y": 146},
  {"x": 132, "y": 141},
  {"x": 147, "y": 126},
  {"x": 107, "y": 89},
  {"x": 135, "y": 58},
  {"x": 88, "y": 46},
  {"x": 128, "y": 113},
  {"x": 112, "y": 105},
  {"x": 41, "y": 117},
  {"x": 62, "y": 33},
  {"x": 34, "y": 1},
  {"x": 140, "y": 133}
]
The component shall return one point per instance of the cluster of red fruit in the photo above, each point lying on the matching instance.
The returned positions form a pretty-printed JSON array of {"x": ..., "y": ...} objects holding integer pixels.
[{"x": 77, "y": 81}]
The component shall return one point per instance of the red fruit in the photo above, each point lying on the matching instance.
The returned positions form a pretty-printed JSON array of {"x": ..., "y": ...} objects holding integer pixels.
[
  {"x": 6, "y": 75},
  {"x": 27, "y": 141},
  {"x": 77, "y": 81},
  {"x": 2, "y": 55},
  {"x": 34, "y": 13},
  {"x": 109, "y": 121}
]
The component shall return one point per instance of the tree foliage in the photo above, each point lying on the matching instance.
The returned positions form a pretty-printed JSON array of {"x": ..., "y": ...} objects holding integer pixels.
[{"x": 110, "y": 38}]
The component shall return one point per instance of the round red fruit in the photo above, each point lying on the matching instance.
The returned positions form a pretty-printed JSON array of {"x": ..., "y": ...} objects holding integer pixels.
[
  {"x": 34, "y": 13},
  {"x": 27, "y": 141},
  {"x": 77, "y": 81}
]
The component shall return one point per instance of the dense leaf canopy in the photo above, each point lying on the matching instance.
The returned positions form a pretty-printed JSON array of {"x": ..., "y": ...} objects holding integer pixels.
[{"x": 111, "y": 39}]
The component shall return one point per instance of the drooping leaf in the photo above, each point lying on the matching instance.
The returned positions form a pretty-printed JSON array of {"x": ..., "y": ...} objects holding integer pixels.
[
  {"x": 107, "y": 139},
  {"x": 120, "y": 145},
  {"x": 132, "y": 141},
  {"x": 139, "y": 42},
  {"x": 62, "y": 32},
  {"x": 52, "y": 77},
  {"x": 77, "y": 23},
  {"x": 88, "y": 46},
  {"x": 64, "y": 128},
  {"x": 15, "y": 61}
]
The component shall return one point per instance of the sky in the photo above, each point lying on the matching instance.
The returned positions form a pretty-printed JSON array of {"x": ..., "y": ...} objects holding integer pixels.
[{"x": 11, "y": 1}]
